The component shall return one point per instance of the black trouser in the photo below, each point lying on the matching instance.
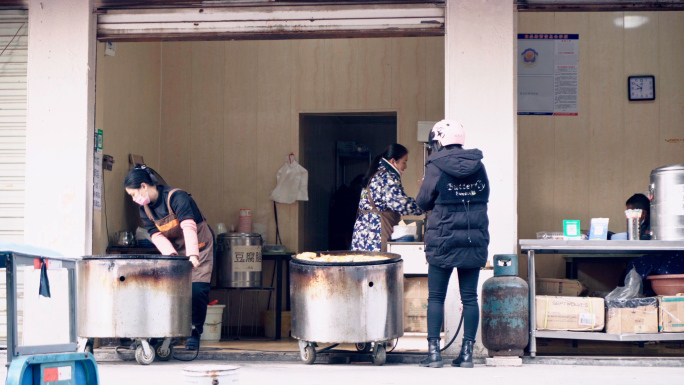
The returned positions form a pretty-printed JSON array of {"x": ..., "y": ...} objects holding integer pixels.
[
  {"x": 438, "y": 281},
  {"x": 200, "y": 299}
]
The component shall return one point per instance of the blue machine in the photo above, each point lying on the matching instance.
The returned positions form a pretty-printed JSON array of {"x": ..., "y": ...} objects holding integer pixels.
[{"x": 44, "y": 364}]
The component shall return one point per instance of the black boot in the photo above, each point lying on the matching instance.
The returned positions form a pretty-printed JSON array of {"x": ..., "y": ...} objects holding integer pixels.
[
  {"x": 434, "y": 358},
  {"x": 465, "y": 359},
  {"x": 193, "y": 342}
]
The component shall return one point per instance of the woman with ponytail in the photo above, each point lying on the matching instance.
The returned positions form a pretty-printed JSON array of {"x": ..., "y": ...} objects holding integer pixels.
[
  {"x": 383, "y": 201},
  {"x": 177, "y": 227}
]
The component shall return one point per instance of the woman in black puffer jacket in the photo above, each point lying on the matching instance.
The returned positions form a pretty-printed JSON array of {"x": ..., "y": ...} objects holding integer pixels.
[{"x": 456, "y": 190}]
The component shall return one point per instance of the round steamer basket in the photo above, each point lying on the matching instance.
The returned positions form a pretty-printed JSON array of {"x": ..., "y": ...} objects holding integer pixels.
[{"x": 211, "y": 375}]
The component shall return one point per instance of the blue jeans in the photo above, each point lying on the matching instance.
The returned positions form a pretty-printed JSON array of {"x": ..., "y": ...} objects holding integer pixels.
[{"x": 438, "y": 282}]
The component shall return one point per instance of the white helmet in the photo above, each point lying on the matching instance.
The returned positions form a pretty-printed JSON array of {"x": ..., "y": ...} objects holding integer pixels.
[{"x": 447, "y": 133}]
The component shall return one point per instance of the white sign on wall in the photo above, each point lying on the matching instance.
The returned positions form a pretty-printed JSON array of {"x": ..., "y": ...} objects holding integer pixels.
[
  {"x": 548, "y": 74},
  {"x": 97, "y": 170}
]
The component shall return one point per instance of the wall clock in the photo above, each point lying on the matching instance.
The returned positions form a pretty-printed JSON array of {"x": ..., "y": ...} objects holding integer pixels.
[{"x": 641, "y": 87}]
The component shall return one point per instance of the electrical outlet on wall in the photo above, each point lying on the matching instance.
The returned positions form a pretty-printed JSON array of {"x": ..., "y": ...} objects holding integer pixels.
[{"x": 110, "y": 48}]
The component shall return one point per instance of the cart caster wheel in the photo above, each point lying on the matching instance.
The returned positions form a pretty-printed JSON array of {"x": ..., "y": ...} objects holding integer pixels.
[
  {"x": 142, "y": 358},
  {"x": 379, "y": 355},
  {"x": 364, "y": 347},
  {"x": 163, "y": 356},
  {"x": 308, "y": 355}
]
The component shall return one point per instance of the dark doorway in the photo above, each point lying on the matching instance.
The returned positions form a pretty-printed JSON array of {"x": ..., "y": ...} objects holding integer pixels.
[{"x": 336, "y": 150}]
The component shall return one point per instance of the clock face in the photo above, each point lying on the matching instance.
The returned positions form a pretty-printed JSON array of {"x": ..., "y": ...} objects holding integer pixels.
[{"x": 641, "y": 87}]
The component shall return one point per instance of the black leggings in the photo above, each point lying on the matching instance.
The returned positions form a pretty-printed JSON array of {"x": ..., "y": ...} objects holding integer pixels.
[
  {"x": 438, "y": 281},
  {"x": 200, "y": 299}
]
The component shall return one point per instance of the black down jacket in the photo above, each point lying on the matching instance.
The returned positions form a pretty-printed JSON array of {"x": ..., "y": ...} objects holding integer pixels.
[{"x": 456, "y": 189}]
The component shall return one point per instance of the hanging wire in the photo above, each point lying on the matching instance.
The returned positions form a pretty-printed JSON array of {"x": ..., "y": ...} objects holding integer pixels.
[{"x": 13, "y": 37}]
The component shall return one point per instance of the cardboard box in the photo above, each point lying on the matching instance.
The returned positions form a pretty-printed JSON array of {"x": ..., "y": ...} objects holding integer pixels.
[
  {"x": 268, "y": 317},
  {"x": 570, "y": 313},
  {"x": 415, "y": 304},
  {"x": 632, "y": 316},
  {"x": 671, "y": 312},
  {"x": 560, "y": 287}
]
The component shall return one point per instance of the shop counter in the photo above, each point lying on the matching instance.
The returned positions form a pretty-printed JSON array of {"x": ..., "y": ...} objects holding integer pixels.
[{"x": 608, "y": 249}]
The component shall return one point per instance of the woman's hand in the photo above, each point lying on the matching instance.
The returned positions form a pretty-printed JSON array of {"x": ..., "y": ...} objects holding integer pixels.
[{"x": 195, "y": 261}]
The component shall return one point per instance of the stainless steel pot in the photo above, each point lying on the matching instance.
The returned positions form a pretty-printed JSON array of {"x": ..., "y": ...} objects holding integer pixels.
[
  {"x": 133, "y": 296},
  {"x": 347, "y": 302},
  {"x": 667, "y": 203},
  {"x": 239, "y": 259}
]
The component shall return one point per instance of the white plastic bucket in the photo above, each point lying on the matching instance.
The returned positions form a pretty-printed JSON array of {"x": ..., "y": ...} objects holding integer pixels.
[
  {"x": 211, "y": 374},
  {"x": 212, "y": 324}
]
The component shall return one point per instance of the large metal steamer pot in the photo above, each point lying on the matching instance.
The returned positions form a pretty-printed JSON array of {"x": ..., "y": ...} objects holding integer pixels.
[
  {"x": 239, "y": 259},
  {"x": 134, "y": 296},
  {"x": 667, "y": 203},
  {"x": 337, "y": 302}
]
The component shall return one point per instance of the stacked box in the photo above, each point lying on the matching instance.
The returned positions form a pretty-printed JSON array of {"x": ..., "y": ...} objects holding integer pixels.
[
  {"x": 632, "y": 316},
  {"x": 671, "y": 314},
  {"x": 570, "y": 313},
  {"x": 415, "y": 304},
  {"x": 560, "y": 287}
]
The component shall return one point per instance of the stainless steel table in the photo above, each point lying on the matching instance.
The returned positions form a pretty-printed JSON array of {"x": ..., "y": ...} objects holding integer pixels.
[{"x": 618, "y": 248}]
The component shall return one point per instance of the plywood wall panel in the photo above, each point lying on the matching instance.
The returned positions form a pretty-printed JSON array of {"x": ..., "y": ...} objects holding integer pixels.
[
  {"x": 309, "y": 75},
  {"x": 342, "y": 74},
  {"x": 642, "y": 118},
  {"x": 375, "y": 73},
  {"x": 605, "y": 154},
  {"x": 408, "y": 97},
  {"x": 206, "y": 137},
  {"x": 128, "y": 98},
  {"x": 266, "y": 85},
  {"x": 176, "y": 113},
  {"x": 607, "y": 88},
  {"x": 670, "y": 87},
  {"x": 536, "y": 161},
  {"x": 434, "y": 81},
  {"x": 571, "y": 151},
  {"x": 273, "y": 132},
  {"x": 240, "y": 103}
]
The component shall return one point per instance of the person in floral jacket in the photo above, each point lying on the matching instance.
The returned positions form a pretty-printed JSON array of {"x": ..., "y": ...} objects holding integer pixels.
[{"x": 383, "y": 201}]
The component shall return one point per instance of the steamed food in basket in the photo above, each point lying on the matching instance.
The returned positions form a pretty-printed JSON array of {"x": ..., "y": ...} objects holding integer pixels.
[{"x": 309, "y": 256}]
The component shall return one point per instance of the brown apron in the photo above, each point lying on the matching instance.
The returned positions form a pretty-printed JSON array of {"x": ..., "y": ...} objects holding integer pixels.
[
  {"x": 388, "y": 218},
  {"x": 169, "y": 226}
]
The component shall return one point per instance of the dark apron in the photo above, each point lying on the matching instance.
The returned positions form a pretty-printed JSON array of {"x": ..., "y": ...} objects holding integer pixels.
[
  {"x": 388, "y": 218},
  {"x": 169, "y": 226}
]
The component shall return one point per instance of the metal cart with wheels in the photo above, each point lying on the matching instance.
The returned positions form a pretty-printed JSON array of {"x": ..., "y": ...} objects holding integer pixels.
[
  {"x": 147, "y": 298},
  {"x": 357, "y": 303}
]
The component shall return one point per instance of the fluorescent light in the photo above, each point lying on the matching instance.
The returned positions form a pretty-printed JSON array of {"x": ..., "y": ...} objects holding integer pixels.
[{"x": 631, "y": 21}]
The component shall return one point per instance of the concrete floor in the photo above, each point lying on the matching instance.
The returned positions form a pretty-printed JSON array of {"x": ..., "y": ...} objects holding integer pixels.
[{"x": 254, "y": 373}]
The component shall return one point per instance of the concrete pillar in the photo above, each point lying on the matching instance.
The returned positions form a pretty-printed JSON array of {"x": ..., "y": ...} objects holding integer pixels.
[
  {"x": 481, "y": 93},
  {"x": 59, "y": 134}
]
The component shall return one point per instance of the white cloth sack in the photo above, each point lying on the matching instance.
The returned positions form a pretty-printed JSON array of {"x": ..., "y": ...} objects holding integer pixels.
[{"x": 292, "y": 183}]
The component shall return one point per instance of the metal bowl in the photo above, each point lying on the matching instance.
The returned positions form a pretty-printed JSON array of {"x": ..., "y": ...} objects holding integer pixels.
[{"x": 668, "y": 284}]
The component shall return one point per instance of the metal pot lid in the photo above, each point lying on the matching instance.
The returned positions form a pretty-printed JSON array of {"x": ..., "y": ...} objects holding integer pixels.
[
  {"x": 672, "y": 167},
  {"x": 137, "y": 256},
  {"x": 392, "y": 258},
  {"x": 239, "y": 235}
]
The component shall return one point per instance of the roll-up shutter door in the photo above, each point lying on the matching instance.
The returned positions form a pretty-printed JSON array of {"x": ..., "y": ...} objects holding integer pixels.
[{"x": 13, "y": 63}]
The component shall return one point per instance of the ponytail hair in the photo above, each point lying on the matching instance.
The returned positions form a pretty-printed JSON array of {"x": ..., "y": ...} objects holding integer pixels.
[
  {"x": 139, "y": 175},
  {"x": 394, "y": 151}
]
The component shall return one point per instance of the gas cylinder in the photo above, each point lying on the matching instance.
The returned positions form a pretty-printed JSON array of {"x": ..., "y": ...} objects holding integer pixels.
[{"x": 505, "y": 309}]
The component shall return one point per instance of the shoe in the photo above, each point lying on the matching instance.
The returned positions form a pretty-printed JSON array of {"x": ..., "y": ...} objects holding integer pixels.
[
  {"x": 434, "y": 358},
  {"x": 193, "y": 342},
  {"x": 465, "y": 359}
]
